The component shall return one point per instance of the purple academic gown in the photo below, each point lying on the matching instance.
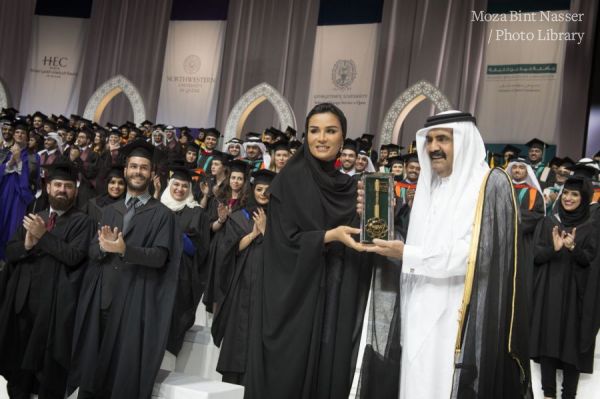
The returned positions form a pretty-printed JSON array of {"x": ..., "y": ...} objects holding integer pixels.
[{"x": 15, "y": 195}]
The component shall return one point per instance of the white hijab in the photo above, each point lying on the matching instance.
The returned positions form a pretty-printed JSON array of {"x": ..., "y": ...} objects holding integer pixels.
[
  {"x": 531, "y": 179},
  {"x": 174, "y": 205},
  {"x": 456, "y": 218}
]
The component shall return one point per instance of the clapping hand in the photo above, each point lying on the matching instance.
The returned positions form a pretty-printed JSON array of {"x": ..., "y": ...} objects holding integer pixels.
[
  {"x": 223, "y": 212},
  {"x": 569, "y": 239},
  {"x": 35, "y": 225},
  {"x": 111, "y": 241},
  {"x": 557, "y": 239},
  {"x": 260, "y": 220}
]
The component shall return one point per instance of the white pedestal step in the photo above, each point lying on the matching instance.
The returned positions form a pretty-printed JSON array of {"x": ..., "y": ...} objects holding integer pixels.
[{"x": 171, "y": 385}]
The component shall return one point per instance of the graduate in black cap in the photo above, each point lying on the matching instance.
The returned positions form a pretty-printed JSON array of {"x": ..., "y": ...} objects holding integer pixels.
[
  {"x": 45, "y": 264},
  {"x": 191, "y": 155},
  {"x": 537, "y": 149},
  {"x": 509, "y": 152},
  {"x": 383, "y": 156},
  {"x": 37, "y": 122},
  {"x": 551, "y": 192},
  {"x": 281, "y": 155},
  {"x": 90, "y": 166},
  {"x": 348, "y": 157},
  {"x": 128, "y": 291},
  {"x": 366, "y": 144},
  {"x": 192, "y": 221},
  {"x": 565, "y": 248},
  {"x": 209, "y": 144},
  {"x": 234, "y": 265}
]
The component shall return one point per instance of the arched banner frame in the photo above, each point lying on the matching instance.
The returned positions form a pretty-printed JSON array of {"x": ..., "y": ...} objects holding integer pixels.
[{"x": 107, "y": 91}]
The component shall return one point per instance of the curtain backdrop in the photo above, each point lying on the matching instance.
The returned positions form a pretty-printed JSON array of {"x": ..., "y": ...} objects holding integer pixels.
[
  {"x": 126, "y": 37},
  {"x": 267, "y": 41},
  {"x": 16, "y": 19},
  {"x": 576, "y": 81},
  {"x": 429, "y": 40}
]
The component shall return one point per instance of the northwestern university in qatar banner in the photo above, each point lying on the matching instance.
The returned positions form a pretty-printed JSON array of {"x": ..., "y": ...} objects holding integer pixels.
[
  {"x": 523, "y": 77},
  {"x": 344, "y": 59},
  {"x": 53, "y": 77},
  {"x": 190, "y": 81}
]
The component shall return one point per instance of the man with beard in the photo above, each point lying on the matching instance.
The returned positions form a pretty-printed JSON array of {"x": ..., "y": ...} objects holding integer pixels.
[
  {"x": 211, "y": 139},
  {"x": 406, "y": 187},
  {"x": 383, "y": 156},
  {"x": 128, "y": 291},
  {"x": 363, "y": 164},
  {"x": 536, "y": 158},
  {"x": 256, "y": 152},
  {"x": 532, "y": 209},
  {"x": 348, "y": 157},
  {"x": 458, "y": 263},
  {"x": 172, "y": 145},
  {"x": 45, "y": 259},
  {"x": 7, "y": 136}
]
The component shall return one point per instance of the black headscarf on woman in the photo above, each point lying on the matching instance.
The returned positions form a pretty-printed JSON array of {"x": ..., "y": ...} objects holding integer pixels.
[
  {"x": 105, "y": 199},
  {"x": 582, "y": 212}
]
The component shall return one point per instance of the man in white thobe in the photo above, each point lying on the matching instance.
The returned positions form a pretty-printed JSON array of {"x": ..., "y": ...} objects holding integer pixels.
[{"x": 435, "y": 255}]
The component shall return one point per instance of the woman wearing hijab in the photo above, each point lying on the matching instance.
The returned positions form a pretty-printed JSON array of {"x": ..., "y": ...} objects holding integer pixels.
[
  {"x": 306, "y": 330},
  {"x": 114, "y": 191},
  {"x": 179, "y": 199},
  {"x": 237, "y": 260},
  {"x": 565, "y": 247}
]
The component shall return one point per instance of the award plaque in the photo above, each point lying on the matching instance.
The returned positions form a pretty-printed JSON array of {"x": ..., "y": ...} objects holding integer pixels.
[{"x": 378, "y": 213}]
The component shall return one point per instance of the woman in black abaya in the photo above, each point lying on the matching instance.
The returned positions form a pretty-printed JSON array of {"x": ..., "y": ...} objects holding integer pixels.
[
  {"x": 304, "y": 341},
  {"x": 565, "y": 247}
]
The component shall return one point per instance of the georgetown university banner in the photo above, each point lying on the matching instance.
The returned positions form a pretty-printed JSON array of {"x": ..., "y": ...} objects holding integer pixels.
[
  {"x": 53, "y": 76},
  {"x": 189, "y": 88},
  {"x": 344, "y": 58},
  {"x": 523, "y": 76}
]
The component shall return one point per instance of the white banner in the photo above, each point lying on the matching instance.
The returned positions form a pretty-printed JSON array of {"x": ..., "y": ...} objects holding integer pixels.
[
  {"x": 190, "y": 82},
  {"x": 342, "y": 71},
  {"x": 523, "y": 77},
  {"x": 53, "y": 76}
]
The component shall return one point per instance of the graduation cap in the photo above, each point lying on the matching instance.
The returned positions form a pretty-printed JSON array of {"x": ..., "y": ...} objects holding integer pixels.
[
  {"x": 10, "y": 112},
  {"x": 536, "y": 143},
  {"x": 586, "y": 170},
  {"x": 271, "y": 132},
  {"x": 213, "y": 132},
  {"x": 62, "y": 118},
  {"x": 114, "y": 131},
  {"x": 191, "y": 146},
  {"x": 182, "y": 173},
  {"x": 412, "y": 157},
  {"x": 394, "y": 147},
  {"x": 116, "y": 171},
  {"x": 220, "y": 156},
  {"x": 75, "y": 117},
  {"x": 290, "y": 132},
  {"x": 281, "y": 145},
  {"x": 349, "y": 144},
  {"x": 450, "y": 117},
  {"x": 48, "y": 122},
  {"x": 86, "y": 122},
  {"x": 263, "y": 176},
  {"x": 138, "y": 148},
  {"x": 383, "y": 147},
  {"x": 295, "y": 144},
  {"x": 511, "y": 148},
  {"x": 368, "y": 137},
  {"x": 395, "y": 160},
  {"x": 238, "y": 165},
  {"x": 88, "y": 133},
  {"x": 124, "y": 126},
  {"x": 39, "y": 114},
  {"x": 21, "y": 125},
  {"x": 556, "y": 161},
  {"x": 147, "y": 122},
  {"x": 62, "y": 170},
  {"x": 596, "y": 155},
  {"x": 567, "y": 163}
]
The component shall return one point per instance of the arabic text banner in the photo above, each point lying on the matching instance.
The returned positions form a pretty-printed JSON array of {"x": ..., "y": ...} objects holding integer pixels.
[{"x": 522, "y": 81}]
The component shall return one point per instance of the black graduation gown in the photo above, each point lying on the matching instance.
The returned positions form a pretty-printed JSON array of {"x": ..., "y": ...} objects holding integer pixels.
[
  {"x": 37, "y": 315},
  {"x": 233, "y": 315},
  {"x": 304, "y": 341},
  {"x": 590, "y": 324},
  {"x": 560, "y": 280},
  {"x": 123, "y": 362},
  {"x": 529, "y": 219},
  {"x": 192, "y": 275}
]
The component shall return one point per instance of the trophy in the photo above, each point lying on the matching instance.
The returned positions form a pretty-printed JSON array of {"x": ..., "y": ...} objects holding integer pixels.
[{"x": 378, "y": 213}]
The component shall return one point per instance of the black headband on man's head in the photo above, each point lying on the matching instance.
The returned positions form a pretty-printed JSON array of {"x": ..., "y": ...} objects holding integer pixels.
[{"x": 450, "y": 118}]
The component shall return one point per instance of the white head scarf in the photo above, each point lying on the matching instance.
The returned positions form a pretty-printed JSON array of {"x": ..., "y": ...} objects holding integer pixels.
[
  {"x": 531, "y": 179},
  {"x": 167, "y": 199},
  {"x": 238, "y": 145},
  {"x": 370, "y": 167},
  {"x": 455, "y": 218},
  {"x": 163, "y": 134},
  {"x": 59, "y": 142},
  {"x": 263, "y": 149}
]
